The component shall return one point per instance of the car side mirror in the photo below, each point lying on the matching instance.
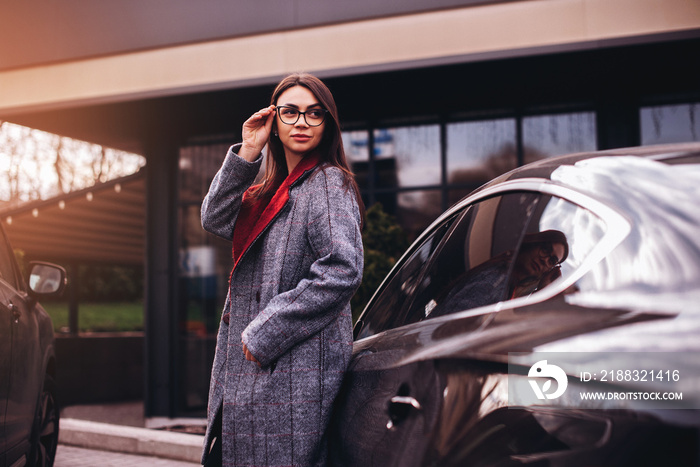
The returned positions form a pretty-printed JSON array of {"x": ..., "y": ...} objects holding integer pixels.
[{"x": 46, "y": 279}]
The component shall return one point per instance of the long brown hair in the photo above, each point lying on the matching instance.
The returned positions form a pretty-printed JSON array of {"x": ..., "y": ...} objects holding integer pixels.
[{"x": 330, "y": 148}]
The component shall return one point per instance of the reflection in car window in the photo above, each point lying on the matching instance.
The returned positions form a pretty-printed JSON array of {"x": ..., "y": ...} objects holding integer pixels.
[
  {"x": 482, "y": 231},
  {"x": 498, "y": 249},
  {"x": 476, "y": 266},
  {"x": 554, "y": 240},
  {"x": 582, "y": 228}
]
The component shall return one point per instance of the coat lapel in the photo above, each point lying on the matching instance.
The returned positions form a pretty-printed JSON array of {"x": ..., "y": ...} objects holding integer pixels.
[{"x": 255, "y": 216}]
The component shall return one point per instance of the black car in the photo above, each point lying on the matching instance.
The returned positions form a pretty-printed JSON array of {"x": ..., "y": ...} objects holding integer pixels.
[
  {"x": 28, "y": 410},
  {"x": 551, "y": 318}
]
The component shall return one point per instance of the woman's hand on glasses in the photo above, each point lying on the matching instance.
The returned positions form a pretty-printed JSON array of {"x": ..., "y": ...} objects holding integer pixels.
[{"x": 256, "y": 131}]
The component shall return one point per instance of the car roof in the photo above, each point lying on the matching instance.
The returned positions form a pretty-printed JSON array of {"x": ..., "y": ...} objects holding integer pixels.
[{"x": 688, "y": 153}]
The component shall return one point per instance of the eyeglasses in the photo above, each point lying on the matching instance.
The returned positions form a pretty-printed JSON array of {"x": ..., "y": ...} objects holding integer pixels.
[
  {"x": 547, "y": 251},
  {"x": 290, "y": 115}
]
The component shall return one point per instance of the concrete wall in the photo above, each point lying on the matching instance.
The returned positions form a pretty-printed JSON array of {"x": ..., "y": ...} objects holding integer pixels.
[{"x": 406, "y": 41}]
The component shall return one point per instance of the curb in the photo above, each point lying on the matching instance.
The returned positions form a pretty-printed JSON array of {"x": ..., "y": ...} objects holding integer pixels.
[{"x": 132, "y": 440}]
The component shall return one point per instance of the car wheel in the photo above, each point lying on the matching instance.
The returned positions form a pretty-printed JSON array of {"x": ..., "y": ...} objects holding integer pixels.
[{"x": 45, "y": 431}]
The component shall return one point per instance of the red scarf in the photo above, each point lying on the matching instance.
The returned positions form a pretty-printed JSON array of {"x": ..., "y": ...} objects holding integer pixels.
[{"x": 256, "y": 215}]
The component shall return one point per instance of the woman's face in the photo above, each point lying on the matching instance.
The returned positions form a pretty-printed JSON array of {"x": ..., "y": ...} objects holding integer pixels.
[
  {"x": 539, "y": 259},
  {"x": 299, "y": 138}
]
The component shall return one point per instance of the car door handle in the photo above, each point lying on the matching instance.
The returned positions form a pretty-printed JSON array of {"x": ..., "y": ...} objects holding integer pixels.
[
  {"x": 15, "y": 312},
  {"x": 399, "y": 408},
  {"x": 405, "y": 400}
]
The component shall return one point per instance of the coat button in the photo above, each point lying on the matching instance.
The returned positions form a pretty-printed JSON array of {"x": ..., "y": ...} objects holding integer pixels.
[
  {"x": 257, "y": 296},
  {"x": 226, "y": 318}
]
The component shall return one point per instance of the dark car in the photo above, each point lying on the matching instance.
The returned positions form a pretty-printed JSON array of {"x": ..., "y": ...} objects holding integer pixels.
[
  {"x": 28, "y": 410},
  {"x": 551, "y": 318}
]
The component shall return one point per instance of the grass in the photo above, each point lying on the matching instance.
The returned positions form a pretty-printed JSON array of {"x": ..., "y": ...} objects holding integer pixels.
[{"x": 112, "y": 317}]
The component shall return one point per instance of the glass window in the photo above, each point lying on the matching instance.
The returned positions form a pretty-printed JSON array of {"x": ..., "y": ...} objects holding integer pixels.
[
  {"x": 489, "y": 229},
  {"x": 582, "y": 228},
  {"x": 498, "y": 249},
  {"x": 386, "y": 312},
  {"x": 504, "y": 260},
  {"x": 205, "y": 259},
  {"x": 479, "y": 151},
  {"x": 205, "y": 263},
  {"x": 407, "y": 156},
  {"x": 670, "y": 124},
  {"x": 477, "y": 265},
  {"x": 555, "y": 135},
  {"x": 356, "y": 145},
  {"x": 416, "y": 210}
]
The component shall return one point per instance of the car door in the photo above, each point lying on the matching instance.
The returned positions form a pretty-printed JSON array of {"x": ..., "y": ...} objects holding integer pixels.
[
  {"x": 7, "y": 320},
  {"x": 461, "y": 282},
  {"x": 5, "y": 358},
  {"x": 386, "y": 410},
  {"x": 25, "y": 359}
]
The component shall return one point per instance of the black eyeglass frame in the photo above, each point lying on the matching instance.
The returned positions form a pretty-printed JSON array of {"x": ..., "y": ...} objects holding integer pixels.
[
  {"x": 546, "y": 250},
  {"x": 300, "y": 113}
]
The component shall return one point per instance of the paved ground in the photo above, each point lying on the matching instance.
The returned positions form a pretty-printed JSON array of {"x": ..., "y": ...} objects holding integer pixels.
[
  {"x": 69, "y": 456},
  {"x": 110, "y": 427},
  {"x": 128, "y": 413}
]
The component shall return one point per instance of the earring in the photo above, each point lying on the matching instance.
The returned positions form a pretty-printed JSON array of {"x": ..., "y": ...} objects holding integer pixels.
[{"x": 276, "y": 133}]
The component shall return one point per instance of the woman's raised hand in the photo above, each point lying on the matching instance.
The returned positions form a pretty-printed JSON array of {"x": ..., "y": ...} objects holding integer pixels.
[{"x": 256, "y": 131}]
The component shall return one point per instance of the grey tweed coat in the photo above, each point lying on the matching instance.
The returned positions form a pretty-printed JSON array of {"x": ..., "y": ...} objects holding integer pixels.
[{"x": 297, "y": 262}]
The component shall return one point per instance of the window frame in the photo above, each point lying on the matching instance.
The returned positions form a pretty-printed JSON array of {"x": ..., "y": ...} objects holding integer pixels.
[{"x": 372, "y": 193}]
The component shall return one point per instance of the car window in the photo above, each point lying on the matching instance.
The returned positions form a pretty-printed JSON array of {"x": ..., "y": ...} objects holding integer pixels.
[
  {"x": 387, "y": 310},
  {"x": 477, "y": 264},
  {"x": 498, "y": 249},
  {"x": 481, "y": 231},
  {"x": 582, "y": 229},
  {"x": 7, "y": 270},
  {"x": 533, "y": 251}
]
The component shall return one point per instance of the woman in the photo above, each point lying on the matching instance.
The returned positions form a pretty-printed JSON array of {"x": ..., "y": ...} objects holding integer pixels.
[
  {"x": 285, "y": 336},
  {"x": 538, "y": 262},
  {"x": 534, "y": 267}
]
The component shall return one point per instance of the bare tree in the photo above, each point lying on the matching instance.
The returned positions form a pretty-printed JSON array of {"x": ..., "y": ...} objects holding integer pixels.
[
  {"x": 39, "y": 165},
  {"x": 58, "y": 166},
  {"x": 32, "y": 163},
  {"x": 11, "y": 149}
]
